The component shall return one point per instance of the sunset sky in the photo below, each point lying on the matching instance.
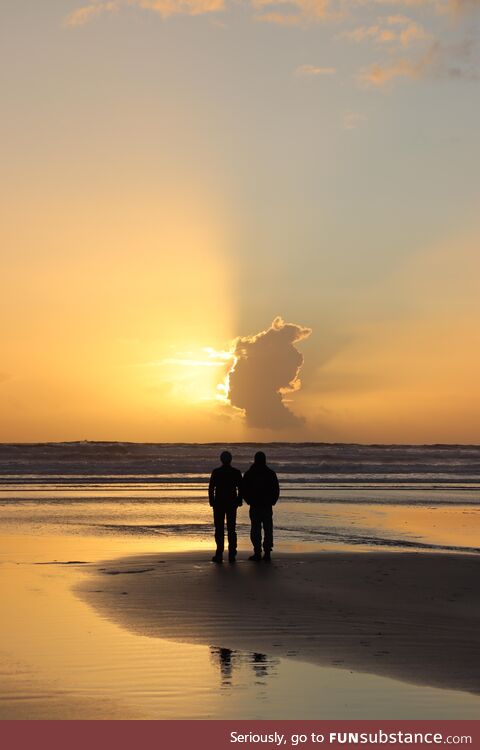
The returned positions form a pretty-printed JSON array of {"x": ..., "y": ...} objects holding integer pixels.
[{"x": 233, "y": 220}]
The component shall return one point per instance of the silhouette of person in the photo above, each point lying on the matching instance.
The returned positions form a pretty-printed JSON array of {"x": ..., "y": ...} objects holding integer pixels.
[
  {"x": 225, "y": 497},
  {"x": 260, "y": 490}
]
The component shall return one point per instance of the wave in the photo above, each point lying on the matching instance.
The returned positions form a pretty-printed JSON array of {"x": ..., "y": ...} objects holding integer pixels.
[
  {"x": 301, "y": 534},
  {"x": 432, "y": 501},
  {"x": 161, "y": 459}
]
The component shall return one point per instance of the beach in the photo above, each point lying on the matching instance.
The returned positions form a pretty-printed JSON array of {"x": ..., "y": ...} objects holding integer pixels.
[
  {"x": 414, "y": 617},
  {"x": 239, "y": 281},
  {"x": 113, "y": 609}
]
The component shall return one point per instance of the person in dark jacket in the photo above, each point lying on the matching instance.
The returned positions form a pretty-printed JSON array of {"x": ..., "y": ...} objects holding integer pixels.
[
  {"x": 260, "y": 490},
  {"x": 225, "y": 497}
]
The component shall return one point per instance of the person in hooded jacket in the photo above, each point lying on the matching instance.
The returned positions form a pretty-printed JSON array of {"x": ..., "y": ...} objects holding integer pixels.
[
  {"x": 225, "y": 497},
  {"x": 260, "y": 490}
]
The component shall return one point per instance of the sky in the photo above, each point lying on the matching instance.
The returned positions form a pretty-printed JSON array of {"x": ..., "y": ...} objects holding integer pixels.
[{"x": 240, "y": 220}]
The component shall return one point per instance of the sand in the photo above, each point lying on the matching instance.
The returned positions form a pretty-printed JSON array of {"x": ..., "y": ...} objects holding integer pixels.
[{"x": 414, "y": 617}]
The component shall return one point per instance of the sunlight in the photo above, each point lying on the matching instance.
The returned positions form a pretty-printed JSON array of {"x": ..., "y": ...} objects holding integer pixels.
[{"x": 199, "y": 376}]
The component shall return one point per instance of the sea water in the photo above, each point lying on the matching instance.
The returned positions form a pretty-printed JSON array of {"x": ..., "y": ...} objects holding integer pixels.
[{"x": 72, "y": 503}]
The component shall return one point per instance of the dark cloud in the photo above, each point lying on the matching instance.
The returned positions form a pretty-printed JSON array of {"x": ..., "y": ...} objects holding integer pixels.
[{"x": 266, "y": 369}]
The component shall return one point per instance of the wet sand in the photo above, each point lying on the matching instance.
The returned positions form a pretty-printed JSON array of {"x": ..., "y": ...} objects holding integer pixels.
[{"x": 414, "y": 617}]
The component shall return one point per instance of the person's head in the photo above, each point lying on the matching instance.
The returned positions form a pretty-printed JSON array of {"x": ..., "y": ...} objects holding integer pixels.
[
  {"x": 260, "y": 459},
  {"x": 226, "y": 458}
]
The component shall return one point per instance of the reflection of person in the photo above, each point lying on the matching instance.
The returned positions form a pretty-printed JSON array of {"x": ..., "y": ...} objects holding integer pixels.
[
  {"x": 230, "y": 661},
  {"x": 260, "y": 665},
  {"x": 260, "y": 490},
  {"x": 225, "y": 662},
  {"x": 225, "y": 497}
]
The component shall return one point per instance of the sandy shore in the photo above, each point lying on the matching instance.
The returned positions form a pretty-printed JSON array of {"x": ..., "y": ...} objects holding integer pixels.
[{"x": 413, "y": 617}]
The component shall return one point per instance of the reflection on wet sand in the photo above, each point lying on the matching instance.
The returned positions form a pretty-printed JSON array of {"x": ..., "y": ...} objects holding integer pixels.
[
  {"x": 229, "y": 660},
  {"x": 60, "y": 660},
  {"x": 408, "y": 616}
]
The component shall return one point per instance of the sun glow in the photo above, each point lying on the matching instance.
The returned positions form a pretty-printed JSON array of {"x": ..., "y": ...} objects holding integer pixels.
[
  {"x": 198, "y": 376},
  {"x": 223, "y": 388},
  {"x": 140, "y": 294}
]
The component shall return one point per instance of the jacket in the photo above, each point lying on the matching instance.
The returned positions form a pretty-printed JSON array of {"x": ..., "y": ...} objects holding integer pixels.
[
  {"x": 260, "y": 486},
  {"x": 225, "y": 487}
]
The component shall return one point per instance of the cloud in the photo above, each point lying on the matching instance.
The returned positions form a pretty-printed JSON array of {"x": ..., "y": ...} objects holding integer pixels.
[
  {"x": 379, "y": 75},
  {"x": 294, "y": 12},
  {"x": 313, "y": 70},
  {"x": 266, "y": 369},
  {"x": 396, "y": 30},
  {"x": 459, "y": 60},
  {"x": 164, "y": 8},
  {"x": 440, "y": 6},
  {"x": 280, "y": 12},
  {"x": 285, "y": 12},
  {"x": 83, "y": 15},
  {"x": 376, "y": 33},
  {"x": 440, "y": 60}
]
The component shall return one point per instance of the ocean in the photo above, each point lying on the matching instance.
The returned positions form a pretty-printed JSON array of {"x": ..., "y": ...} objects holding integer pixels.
[
  {"x": 67, "y": 510},
  {"x": 333, "y": 496}
]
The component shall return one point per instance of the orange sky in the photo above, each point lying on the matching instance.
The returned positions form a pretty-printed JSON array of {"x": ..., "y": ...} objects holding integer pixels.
[{"x": 157, "y": 205}]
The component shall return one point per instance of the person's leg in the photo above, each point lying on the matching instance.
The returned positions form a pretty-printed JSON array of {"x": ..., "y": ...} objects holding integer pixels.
[
  {"x": 256, "y": 531},
  {"x": 219, "y": 521},
  {"x": 267, "y": 531},
  {"x": 231, "y": 531}
]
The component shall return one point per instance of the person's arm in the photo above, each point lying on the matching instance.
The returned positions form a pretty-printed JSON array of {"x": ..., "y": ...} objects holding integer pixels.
[
  {"x": 239, "y": 490},
  {"x": 244, "y": 489},
  {"x": 275, "y": 488},
  {"x": 211, "y": 489}
]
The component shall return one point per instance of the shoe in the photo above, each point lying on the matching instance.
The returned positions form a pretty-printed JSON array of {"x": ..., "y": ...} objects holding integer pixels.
[
  {"x": 267, "y": 556},
  {"x": 217, "y": 559},
  {"x": 256, "y": 557},
  {"x": 232, "y": 557}
]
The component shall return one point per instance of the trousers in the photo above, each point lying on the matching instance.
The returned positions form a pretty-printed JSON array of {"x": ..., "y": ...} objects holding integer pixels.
[
  {"x": 222, "y": 513},
  {"x": 261, "y": 515}
]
